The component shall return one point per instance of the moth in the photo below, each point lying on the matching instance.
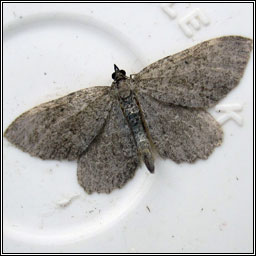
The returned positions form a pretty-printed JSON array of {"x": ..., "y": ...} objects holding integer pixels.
[{"x": 110, "y": 130}]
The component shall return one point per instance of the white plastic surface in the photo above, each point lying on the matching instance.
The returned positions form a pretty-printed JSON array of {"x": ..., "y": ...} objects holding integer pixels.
[{"x": 53, "y": 49}]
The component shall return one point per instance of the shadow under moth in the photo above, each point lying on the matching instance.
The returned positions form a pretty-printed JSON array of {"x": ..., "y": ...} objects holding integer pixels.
[{"x": 110, "y": 129}]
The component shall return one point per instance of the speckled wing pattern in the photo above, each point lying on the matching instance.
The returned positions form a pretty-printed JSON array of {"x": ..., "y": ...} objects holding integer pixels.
[
  {"x": 198, "y": 77},
  {"x": 112, "y": 158},
  {"x": 180, "y": 133},
  {"x": 62, "y": 128},
  {"x": 171, "y": 94}
]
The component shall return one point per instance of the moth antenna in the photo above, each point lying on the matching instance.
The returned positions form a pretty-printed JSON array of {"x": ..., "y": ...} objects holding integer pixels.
[{"x": 116, "y": 68}]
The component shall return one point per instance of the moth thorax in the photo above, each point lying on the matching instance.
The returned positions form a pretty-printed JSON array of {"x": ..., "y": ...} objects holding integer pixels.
[{"x": 124, "y": 88}]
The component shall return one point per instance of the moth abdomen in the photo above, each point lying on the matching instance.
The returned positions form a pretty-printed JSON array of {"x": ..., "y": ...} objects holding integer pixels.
[{"x": 132, "y": 114}]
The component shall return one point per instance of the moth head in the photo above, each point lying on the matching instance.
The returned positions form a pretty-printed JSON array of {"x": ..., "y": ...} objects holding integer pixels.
[{"x": 118, "y": 74}]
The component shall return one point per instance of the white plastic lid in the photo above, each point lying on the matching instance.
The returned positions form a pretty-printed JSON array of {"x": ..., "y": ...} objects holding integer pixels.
[{"x": 52, "y": 49}]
